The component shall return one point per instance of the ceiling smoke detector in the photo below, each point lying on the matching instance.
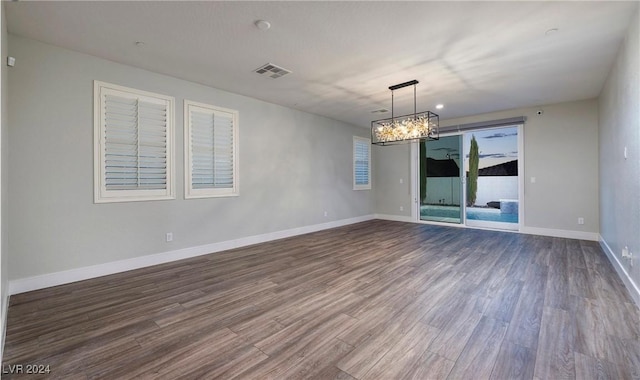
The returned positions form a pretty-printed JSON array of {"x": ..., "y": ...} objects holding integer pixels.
[
  {"x": 262, "y": 24},
  {"x": 272, "y": 71}
]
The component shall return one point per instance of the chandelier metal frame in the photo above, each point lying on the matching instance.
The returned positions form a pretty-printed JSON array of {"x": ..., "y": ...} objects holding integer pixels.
[{"x": 406, "y": 128}]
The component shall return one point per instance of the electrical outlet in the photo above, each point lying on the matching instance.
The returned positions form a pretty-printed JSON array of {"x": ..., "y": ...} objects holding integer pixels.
[
  {"x": 169, "y": 236},
  {"x": 326, "y": 213},
  {"x": 625, "y": 252},
  {"x": 401, "y": 208},
  {"x": 580, "y": 220}
]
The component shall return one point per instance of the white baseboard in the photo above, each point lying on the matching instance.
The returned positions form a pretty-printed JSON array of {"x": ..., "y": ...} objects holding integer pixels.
[
  {"x": 632, "y": 287},
  {"x": 65, "y": 277},
  {"x": 581, "y": 235},
  {"x": 59, "y": 278},
  {"x": 592, "y": 236},
  {"x": 395, "y": 218}
]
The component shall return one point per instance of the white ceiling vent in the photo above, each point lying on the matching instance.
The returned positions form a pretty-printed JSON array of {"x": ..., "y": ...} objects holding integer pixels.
[
  {"x": 380, "y": 110},
  {"x": 272, "y": 70}
]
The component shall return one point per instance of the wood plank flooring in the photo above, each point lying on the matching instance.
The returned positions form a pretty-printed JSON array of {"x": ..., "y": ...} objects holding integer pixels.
[{"x": 373, "y": 300}]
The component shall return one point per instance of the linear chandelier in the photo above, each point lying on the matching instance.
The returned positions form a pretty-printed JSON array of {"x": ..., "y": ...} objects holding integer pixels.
[{"x": 406, "y": 128}]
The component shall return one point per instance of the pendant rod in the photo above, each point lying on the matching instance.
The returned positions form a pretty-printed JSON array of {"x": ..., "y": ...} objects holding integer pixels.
[
  {"x": 415, "y": 109},
  {"x": 392, "y": 106},
  {"x": 405, "y": 84}
]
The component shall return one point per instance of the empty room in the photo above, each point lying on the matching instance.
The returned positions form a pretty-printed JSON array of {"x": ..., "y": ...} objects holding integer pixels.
[{"x": 320, "y": 190}]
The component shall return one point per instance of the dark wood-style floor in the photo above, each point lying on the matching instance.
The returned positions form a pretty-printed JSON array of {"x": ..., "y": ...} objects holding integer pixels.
[{"x": 374, "y": 300}]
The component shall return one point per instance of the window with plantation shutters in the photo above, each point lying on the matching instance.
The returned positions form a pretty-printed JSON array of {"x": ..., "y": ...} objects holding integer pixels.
[
  {"x": 361, "y": 163},
  {"x": 133, "y": 144},
  {"x": 211, "y": 149}
]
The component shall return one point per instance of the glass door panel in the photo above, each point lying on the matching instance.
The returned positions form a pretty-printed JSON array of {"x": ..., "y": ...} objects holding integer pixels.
[
  {"x": 492, "y": 184},
  {"x": 440, "y": 190}
]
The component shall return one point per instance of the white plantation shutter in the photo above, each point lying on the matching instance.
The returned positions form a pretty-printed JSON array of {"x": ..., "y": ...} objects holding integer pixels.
[
  {"x": 211, "y": 151},
  {"x": 361, "y": 163},
  {"x": 133, "y": 144}
]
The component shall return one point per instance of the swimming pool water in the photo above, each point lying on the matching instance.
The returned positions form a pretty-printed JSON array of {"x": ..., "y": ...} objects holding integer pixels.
[{"x": 452, "y": 212}]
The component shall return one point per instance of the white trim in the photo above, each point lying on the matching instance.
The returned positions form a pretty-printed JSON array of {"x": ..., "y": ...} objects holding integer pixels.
[
  {"x": 414, "y": 174},
  {"x": 521, "y": 183},
  {"x": 402, "y": 218},
  {"x": 59, "y": 278},
  {"x": 189, "y": 191},
  {"x": 581, "y": 235},
  {"x": 592, "y": 236},
  {"x": 395, "y": 218},
  {"x": 101, "y": 194},
  {"x": 632, "y": 287},
  {"x": 367, "y": 141},
  {"x": 521, "y": 176}
]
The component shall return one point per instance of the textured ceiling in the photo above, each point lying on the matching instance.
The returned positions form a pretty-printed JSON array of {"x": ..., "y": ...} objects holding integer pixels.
[{"x": 474, "y": 57}]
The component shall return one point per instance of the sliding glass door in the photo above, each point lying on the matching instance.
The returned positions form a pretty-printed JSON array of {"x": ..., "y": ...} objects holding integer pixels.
[
  {"x": 472, "y": 177},
  {"x": 440, "y": 186}
]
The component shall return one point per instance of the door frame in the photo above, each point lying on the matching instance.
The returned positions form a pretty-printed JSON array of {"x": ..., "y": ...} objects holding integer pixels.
[{"x": 415, "y": 184}]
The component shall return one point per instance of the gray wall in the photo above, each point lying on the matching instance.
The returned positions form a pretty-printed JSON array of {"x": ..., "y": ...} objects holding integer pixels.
[
  {"x": 560, "y": 150},
  {"x": 293, "y": 167},
  {"x": 4, "y": 155},
  {"x": 390, "y": 166},
  {"x": 619, "y": 114}
]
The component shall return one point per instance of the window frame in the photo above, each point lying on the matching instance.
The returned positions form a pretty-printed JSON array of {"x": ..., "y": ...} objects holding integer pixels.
[
  {"x": 189, "y": 191},
  {"x": 101, "y": 194},
  {"x": 367, "y": 142}
]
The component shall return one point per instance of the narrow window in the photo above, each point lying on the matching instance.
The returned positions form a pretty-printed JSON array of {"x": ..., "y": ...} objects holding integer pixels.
[{"x": 361, "y": 163}]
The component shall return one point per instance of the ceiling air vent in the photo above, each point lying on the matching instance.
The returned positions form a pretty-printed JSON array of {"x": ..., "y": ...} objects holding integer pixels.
[
  {"x": 381, "y": 110},
  {"x": 272, "y": 71}
]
